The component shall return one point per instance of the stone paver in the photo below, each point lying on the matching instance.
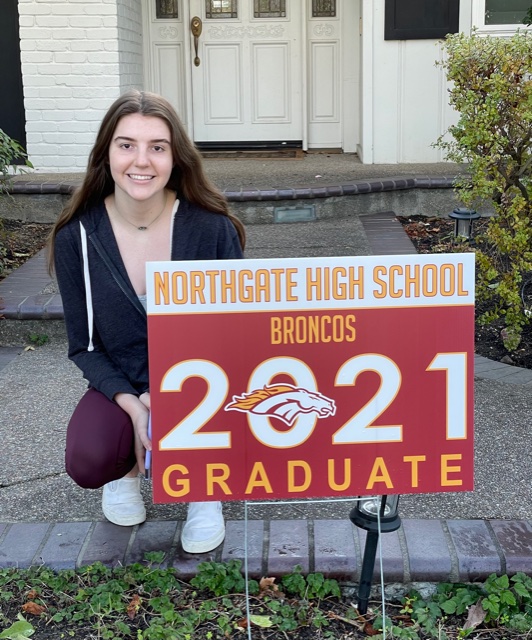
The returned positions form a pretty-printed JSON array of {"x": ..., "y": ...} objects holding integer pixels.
[
  {"x": 515, "y": 538},
  {"x": 393, "y": 563},
  {"x": 434, "y": 550},
  {"x": 428, "y": 552},
  {"x": 107, "y": 544},
  {"x": 153, "y": 536},
  {"x": 476, "y": 551},
  {"x": 289, "y": 546},
  {"x": 21, "y": 543},
  {"x": 234, "y": 545},
  {"x": 186, "y": 564},
  {"x": 385, "y": 235},
  {"x": 63, "y": 545},
  {"x": 334, "y": 548}
]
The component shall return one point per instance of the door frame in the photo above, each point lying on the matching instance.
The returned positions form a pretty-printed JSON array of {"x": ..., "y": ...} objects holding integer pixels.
[{"x": 352, "y": 132}]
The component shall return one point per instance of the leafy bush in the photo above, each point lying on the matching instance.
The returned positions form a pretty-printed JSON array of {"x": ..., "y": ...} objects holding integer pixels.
[
  {"x": 492, "y": 91},
  {"x": 10, "y": 151}
]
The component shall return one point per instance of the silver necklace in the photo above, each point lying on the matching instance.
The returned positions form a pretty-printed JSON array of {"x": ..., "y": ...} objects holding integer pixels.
[{"x": 142, "y": 227}]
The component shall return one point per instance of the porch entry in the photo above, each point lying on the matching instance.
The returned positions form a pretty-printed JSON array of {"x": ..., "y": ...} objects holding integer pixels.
[{"x": 250, "y": 73}]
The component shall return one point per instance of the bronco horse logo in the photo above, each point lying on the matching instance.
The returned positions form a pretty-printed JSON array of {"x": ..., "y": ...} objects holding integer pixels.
[{"x": 283, "y": 401}]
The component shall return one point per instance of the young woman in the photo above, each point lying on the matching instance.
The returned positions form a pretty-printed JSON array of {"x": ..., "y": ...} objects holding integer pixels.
[{"x": 145, "y": 197}]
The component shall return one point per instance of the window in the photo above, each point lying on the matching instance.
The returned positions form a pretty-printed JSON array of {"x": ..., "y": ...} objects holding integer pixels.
[
  {"x": 166, "y": 9},
  {"x": 324, "y": 8},
  {"x": 221, "y": 9},
  {"x": 505, "y": 11},
  {"x": 499, "y": 17},
  {"x": 269, "y": 9}
]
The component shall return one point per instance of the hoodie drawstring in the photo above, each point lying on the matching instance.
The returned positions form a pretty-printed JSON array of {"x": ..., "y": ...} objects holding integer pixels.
[{"x": 88, "y": 291}]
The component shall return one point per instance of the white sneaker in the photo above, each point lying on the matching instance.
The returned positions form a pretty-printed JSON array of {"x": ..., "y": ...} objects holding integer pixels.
[
  {"x": 204, "y": 529},
  {"x": 122, "y": 503}
]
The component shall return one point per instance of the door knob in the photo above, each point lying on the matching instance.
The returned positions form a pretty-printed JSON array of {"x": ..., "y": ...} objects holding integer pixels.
[{"x": 196, "y": 26}]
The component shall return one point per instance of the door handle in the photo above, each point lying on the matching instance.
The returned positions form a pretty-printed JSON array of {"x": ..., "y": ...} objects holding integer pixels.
[{"x": 196, "y": 26}]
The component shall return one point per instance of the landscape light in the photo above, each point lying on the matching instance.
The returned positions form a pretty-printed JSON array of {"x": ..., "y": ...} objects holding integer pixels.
[
  {"x": 463, "y": 222},
  {"x": 366, "y": 515}
]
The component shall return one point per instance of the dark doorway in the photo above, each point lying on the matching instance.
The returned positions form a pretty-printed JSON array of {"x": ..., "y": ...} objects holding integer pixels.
[{"x": 12, "y": 115}]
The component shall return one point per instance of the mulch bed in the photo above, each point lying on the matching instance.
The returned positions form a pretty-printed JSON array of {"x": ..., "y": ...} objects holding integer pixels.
[{"x": 21, "y": 241}]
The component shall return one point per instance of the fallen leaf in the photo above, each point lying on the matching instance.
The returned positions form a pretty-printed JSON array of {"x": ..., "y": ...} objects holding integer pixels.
[
  {"x": 369, "y": 629},
  {"x": 267, "y": 584},
  {"x": 133, "y": 607},
  {"x": 261, "y": 621},
  {"x": 21, "y": 630},
  {"x": 33, "y": 608},
  {"x": 29, "y": 348},
  {"x": 475, "y": 616},
  {"x": 242, "y": 624}
]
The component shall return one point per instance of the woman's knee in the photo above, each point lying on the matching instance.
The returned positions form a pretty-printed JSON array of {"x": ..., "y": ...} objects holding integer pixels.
[{"x": 100, "y": 444}]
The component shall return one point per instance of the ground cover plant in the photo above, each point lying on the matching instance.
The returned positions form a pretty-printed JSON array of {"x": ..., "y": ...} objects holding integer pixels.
[{"x": 148, "y": 602}]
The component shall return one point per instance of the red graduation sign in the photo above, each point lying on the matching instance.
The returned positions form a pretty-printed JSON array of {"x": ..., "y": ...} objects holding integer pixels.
[{"x": 311, "y": 377}]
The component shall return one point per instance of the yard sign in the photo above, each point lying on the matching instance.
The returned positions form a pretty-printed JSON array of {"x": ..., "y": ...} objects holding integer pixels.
[{"x": 311, "y": 377}]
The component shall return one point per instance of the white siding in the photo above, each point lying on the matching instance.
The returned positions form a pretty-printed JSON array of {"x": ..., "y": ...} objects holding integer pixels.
[{"x": 405, "y": 102}]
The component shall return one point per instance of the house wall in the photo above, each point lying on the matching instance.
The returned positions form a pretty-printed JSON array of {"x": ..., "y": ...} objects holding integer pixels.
[
  {"x": 130, "y": 44},
  {"x": 77, "y": 57},
  {"x": 404, "y": 94}
]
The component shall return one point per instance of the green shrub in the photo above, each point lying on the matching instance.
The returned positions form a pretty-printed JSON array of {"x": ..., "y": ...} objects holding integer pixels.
[
  {"x": 10, "y": 151},
  {"x": 491, "y": 88}
]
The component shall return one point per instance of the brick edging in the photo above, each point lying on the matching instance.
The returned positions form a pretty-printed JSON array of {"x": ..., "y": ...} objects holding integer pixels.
[
  {"x": 251, "y": 194},
  {"x": 421, "y": 551}
]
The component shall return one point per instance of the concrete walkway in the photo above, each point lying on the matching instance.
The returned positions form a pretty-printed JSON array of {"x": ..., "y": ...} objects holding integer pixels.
[{"x": 47, "y": 519}]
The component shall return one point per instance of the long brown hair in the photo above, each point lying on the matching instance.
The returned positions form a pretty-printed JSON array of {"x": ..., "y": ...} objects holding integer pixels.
[{"x": 188, "y": 177}]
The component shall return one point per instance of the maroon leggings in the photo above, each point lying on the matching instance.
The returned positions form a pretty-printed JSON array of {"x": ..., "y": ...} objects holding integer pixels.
[{"x": 99, "y": 443}]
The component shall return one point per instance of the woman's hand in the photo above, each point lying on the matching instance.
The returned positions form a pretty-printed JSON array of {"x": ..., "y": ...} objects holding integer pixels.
[
  {"x": 137, "y": 409},
  {"x": 145, "y": 399}
]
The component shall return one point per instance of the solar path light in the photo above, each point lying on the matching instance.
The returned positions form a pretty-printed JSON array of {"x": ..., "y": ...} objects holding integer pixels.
[
  {"x": 463, "y": 222},
  {"x": 370, "y": 511}
]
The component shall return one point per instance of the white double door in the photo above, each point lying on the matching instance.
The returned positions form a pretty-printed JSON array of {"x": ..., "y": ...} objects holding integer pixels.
[{"x": 271, "y": 75}]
